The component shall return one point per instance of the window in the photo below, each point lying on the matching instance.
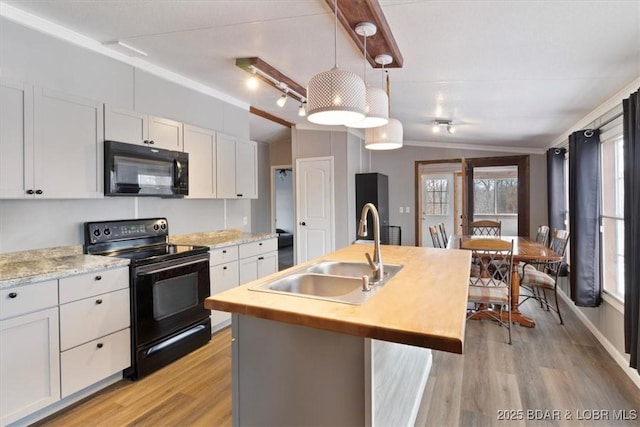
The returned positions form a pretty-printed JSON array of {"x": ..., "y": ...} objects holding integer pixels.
[
  {"x": 495, "y": 196},
  {"x": 612, "y": 217},
  {"x": 436, "y": 197}
]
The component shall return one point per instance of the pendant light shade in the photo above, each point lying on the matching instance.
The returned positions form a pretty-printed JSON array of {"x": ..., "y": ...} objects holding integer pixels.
[
  {"x": 387, "y": 137},
  {"x": 336, "y": 97},
  {"x": 376, "y": 109}
]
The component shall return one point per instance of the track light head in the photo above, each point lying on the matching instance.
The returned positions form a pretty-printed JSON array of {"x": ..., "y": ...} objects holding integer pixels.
[
  {"x": 302, "y": 109},
  {"x": 282, "y": 100}
]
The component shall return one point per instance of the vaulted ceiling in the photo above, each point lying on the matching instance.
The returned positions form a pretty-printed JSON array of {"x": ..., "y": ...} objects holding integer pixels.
[{"x": 507, "y": 73}]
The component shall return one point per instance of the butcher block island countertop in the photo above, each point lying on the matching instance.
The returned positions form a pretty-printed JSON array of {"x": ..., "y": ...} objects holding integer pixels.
[{"x": 423, "y": 305}]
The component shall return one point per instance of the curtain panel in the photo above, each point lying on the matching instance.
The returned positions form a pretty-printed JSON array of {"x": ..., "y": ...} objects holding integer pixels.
[
  {"x": 584, "y": 217},
  {"x": 631, "y": 155},
  {"x": 555, "y": 188}
]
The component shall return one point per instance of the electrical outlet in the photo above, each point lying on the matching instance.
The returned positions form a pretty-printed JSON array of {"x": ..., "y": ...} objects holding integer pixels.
[
  {"x": 406, "y": 210},
  {"x": 244, "y": 220},
  {"x": 401, "y": 209}
]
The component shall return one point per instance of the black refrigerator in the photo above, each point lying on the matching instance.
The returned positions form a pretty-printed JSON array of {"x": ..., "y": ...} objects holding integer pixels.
[{"x": 373, "y": 188}]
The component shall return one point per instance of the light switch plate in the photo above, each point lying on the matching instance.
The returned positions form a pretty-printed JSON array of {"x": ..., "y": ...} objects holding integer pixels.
[
  {"x": 401, "y": 209},
  {"x": 406, "y": 209}
]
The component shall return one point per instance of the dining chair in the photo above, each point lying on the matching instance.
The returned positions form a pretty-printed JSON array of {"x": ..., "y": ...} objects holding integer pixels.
[
  {"x": 538, "y": 277},
  {"x": 490, "y": 284},
  {"x": 542, "y": 236},
  {"x": 435, "y": 238},
  {"x": 443, "y": 233},
  {"x": 486, "y": 228}
]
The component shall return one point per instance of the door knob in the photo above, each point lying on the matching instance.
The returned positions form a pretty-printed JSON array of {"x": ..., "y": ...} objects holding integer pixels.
[{"x": 303, "y": 223}]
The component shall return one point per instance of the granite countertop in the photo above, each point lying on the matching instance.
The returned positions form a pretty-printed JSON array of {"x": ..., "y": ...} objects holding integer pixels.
[
  {"x": 218, "y": 239},
  {"x": 22, "y": 268},
  {"x": 424, "y": 304}
]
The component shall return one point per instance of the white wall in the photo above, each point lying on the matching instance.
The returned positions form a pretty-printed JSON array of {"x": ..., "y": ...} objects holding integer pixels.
[
  {"x": 32, "y": 57},
  {"x": 350, "y": 157}
]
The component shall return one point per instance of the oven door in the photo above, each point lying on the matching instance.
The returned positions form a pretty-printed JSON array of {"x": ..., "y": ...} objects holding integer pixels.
[{"x": 169, "y": 296}]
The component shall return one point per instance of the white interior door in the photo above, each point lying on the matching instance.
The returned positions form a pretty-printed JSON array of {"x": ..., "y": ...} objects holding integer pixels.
[{"x": 315, "y": 216}]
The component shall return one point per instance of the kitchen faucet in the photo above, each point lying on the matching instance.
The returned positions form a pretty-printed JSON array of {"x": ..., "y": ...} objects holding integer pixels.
[{"x": 377, "y": 269}]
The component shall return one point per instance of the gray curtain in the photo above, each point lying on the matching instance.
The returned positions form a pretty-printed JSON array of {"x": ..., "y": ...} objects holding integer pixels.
[
  {"x": 584, "y": 217},
  {"x": 631, "y": 154},
  {"x": 555, "y": 188}
]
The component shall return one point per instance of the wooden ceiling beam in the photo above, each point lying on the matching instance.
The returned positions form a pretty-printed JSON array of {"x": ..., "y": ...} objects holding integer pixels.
[
  {"x": 352, "y": 13},
  {"x": 269, "y": 116},
  {"x": 246, "y": 63}
]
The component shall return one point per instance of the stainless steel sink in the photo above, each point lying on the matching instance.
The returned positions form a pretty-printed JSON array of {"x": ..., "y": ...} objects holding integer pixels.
[
  {"x": 337, "y": 281},
  {"x": 351, "y": 269}
]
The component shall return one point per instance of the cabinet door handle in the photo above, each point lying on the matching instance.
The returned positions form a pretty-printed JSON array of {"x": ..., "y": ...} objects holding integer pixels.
[
  {"x": 152, "y": 142},
  {"x": 100, "y": 345},
  {"x": 98, "y": 277},
  {"x": 39, "y": 191},
  {"x": 239, "y": 195},
  {"x": 224, "y": 268},
  {"x": 260, "y": 258},
  {"x": 98, "y": 301},
  {"x": 260, "y": 244},
  {"x": 224, "y": 251},
  {"x": 30, "y": 191},
  {"x": 146, "y": 141},
  {"x": 13, "y": 295}
]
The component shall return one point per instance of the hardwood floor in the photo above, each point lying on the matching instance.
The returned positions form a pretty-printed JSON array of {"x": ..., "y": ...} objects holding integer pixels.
[{"x": 548, "y": 368}]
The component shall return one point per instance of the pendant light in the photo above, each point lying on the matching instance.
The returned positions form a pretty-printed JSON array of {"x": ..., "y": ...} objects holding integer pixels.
[
  {"x": 376, "y": 99},
  {"x": 389, "y": 136},
  {"x": 336, "y": 97}
]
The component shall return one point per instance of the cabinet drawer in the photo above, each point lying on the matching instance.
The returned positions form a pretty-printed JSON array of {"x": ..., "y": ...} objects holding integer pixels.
[
  {"x": 28, "y": 298},
  {"x": 91, "y": 318},
  {"x": 257, "y": 248},
  {"x": 223, "y": 255},
  {"x": 89, "y": 363},
  {"x": 96, "y": 283}
]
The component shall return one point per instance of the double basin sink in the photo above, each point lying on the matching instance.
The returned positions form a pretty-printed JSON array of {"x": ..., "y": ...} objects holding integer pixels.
[{"x": 337, "y": 281}]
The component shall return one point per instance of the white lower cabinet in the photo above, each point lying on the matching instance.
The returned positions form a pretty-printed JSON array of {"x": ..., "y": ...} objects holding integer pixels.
[
  {"x": 94, "y": 328},
  {"x": 223, "y": 277},
  {"x": 29, "y": 364},
  {"x": 95, "y": 360},
  {"x": 258, "y": 259}
]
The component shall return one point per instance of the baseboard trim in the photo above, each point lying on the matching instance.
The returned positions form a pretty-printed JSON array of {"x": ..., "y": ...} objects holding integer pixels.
[{"x": 619, "y": 358}]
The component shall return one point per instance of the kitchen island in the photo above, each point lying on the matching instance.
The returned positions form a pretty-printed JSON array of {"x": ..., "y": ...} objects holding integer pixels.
[{"x": 302, "y": 361}]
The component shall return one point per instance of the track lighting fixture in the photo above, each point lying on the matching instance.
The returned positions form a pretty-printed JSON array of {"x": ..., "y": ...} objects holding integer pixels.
[
  {"x": 260, "y": 70},
  {"x": 302, "y": 109},
  {"x": 446, "y": 124},
  {"x": 282, "y": 100}
]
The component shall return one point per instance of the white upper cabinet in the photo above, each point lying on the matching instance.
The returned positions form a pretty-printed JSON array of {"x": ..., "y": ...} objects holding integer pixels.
[
  {"x": 226, "y": 166},
  {"x": 16, "y": 139},
  {"x": 236, "y": 163},
  {"x": 246, "y": 169},
  {"x": 201, "y": 146},
  {"x": 124, "y": 125},
  {"x": 165, "y": 133},
  {"x": 137, "y": 128},
  {"x": 49, "y": 144},
  {"x": 68, "y": 131}
]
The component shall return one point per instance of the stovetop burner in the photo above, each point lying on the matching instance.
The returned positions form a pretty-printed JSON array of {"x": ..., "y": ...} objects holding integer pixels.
[{"x": 143, "y": 241}]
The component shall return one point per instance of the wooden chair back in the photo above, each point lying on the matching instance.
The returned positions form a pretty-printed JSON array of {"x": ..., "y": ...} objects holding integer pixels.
[
  {"x": 435, "y": 239},
  {"x": 443, "y": 233},
  {"x": 486, "y": 228},
  {"x": 542, "y": 236}
]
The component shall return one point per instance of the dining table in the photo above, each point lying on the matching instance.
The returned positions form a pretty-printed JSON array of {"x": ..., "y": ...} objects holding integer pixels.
[{"x": 524, "y": 250}]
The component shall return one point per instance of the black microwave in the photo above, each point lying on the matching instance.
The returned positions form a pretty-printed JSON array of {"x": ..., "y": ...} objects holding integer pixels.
[{"x": 136, "y": 170}]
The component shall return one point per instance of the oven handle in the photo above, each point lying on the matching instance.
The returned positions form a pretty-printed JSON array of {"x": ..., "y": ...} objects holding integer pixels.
[{"x": 172, "y": 266}]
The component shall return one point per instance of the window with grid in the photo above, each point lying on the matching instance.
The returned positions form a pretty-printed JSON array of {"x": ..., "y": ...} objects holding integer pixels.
[
  {"x": 495, "y": 196},
  {"x": 436, "y": 196},
  {"x": 612, "y": 218}
]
